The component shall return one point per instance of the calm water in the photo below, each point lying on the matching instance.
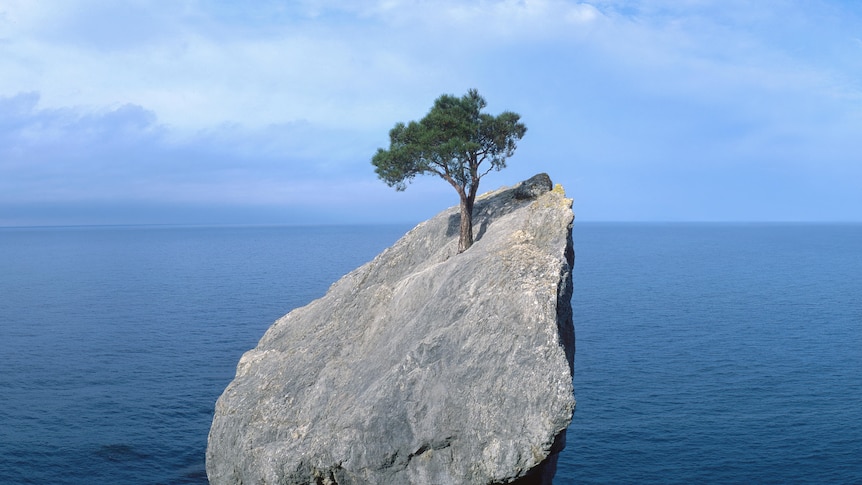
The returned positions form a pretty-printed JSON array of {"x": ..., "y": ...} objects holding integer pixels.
[{"x": 706, "y": 353}]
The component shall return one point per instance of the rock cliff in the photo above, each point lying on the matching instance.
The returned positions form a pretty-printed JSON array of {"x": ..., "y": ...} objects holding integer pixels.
[{"x": 423, "y": 366}]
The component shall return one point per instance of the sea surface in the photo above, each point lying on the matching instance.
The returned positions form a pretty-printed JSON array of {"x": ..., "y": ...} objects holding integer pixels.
[{"x": 706, "y": 353}]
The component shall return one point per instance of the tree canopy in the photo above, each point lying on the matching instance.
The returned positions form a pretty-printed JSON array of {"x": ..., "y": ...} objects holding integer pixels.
[{"x": 452, "y": 141}]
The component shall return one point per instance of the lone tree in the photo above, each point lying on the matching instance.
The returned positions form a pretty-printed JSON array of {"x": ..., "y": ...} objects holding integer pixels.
[{"x": 451, "y": 141}]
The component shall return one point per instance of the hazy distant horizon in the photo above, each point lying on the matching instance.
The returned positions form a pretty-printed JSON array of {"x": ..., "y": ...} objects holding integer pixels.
[{"x": 197, "y": 217}]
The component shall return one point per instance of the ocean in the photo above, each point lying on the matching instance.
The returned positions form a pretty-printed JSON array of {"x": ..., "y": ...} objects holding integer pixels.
[{"x": 706, "y": 353}]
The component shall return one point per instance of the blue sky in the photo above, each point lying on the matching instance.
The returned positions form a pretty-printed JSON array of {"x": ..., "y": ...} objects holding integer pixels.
[{"x": 195, "y": 111}]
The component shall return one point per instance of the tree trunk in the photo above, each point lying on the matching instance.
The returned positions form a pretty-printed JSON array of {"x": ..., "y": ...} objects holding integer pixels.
[{"x": 465, "y": 239}]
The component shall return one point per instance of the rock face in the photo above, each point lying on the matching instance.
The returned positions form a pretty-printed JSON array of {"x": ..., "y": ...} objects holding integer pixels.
[{"x": 423, "y": 366}]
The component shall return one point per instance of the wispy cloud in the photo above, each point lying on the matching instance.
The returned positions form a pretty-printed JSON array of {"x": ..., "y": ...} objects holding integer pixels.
[{"x": 73, "y": 154}]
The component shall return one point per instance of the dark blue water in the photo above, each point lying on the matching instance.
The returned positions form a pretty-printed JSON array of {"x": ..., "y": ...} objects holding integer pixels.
[
  {"x": 717, "y": 354},
  {"x": 706, "y": 353}
]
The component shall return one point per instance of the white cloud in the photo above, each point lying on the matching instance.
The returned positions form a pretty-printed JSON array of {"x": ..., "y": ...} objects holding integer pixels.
[
  {"x": 195, "y": 67},
  {"x": 508, "y": 19}
]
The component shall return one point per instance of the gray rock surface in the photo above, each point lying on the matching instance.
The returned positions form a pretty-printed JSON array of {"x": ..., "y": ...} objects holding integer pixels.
[
  {"x": 533, "y": 187},
  {"x": 423, "y": 366}
]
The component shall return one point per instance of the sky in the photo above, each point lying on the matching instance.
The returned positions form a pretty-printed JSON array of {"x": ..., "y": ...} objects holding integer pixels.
[{"x": 268, "y": 112}]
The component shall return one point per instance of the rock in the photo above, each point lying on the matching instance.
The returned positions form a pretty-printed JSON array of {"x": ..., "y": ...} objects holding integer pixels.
[
  {"x": 423, "y": 366},
  {"x": 533, "y": 187}
]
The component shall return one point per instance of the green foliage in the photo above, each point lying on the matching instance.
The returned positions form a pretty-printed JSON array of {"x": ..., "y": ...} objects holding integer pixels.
[{"x": 451, "y": 141}]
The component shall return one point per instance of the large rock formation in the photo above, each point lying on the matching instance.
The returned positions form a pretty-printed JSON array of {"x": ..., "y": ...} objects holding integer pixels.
[{"x": 423, "y": 366}]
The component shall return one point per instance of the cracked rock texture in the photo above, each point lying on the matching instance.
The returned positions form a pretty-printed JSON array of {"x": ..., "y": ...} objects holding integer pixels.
[{"x": 423, "y": 366}]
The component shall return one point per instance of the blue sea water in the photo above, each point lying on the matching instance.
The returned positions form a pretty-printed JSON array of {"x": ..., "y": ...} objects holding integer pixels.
[{"x": 706, "y": 353}]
